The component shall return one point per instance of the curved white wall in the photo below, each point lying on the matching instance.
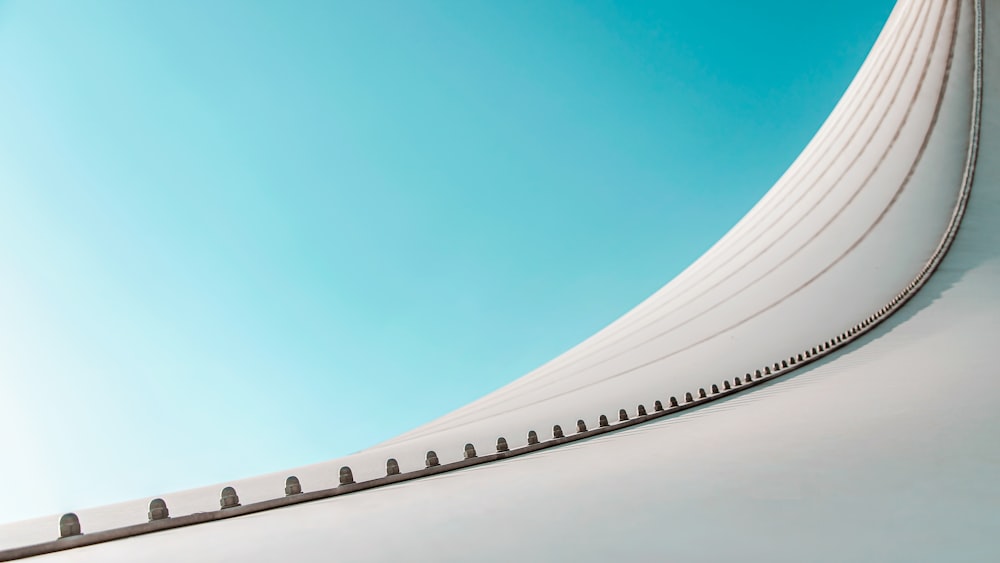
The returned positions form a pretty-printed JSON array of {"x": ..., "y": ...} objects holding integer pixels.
[{"x": 885, "y": 451}]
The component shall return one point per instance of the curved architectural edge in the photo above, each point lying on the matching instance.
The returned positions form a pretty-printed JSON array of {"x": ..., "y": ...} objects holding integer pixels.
[{"x": 73, "y": 536}]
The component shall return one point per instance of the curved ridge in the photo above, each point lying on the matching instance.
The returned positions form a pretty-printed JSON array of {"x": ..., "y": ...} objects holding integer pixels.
[
  {"x": 768, "y": 373},
  {"x": 533, "y": 382}
]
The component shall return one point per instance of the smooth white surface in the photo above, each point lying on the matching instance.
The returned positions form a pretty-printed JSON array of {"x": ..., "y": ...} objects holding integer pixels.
[{"x": 888, "y": 451}]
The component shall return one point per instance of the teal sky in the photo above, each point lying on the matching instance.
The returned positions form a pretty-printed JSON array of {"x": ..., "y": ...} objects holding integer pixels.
[{"x": 237, "y": 237}]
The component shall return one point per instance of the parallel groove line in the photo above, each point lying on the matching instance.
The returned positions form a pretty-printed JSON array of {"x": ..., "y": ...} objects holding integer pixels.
[{"x": 759, "y": 378}]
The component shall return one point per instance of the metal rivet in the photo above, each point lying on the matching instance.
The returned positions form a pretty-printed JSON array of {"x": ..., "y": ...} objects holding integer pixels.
[
  {"x": 641, "y": 410},
  {"x": 532, "y": 437},
  {"x": 346, "y": 476},
  {"x": 737, "y": 381},
  {"x": 688, "y": 398},
  {"x": 432, "y": 459},
  {"x": 622, "y": 415},
  {"x": 758, "y": 374},
  {"x": 502, "y": 444},
  {"x": 747, "y": 379},
  {"x": 767, "y": 370},
  {"x": 391, "y": 467},
  {"x": 784, "y": 364},
  {"x": 157, "y": 510},
  {"x": 673, "y": 401},
  {"x": 581, "y": 426},
  {"x": 701, "y": 393},
  {"x": 292, "y": 486},
  {"x": 470, "y": 451},
  {"x": 726, "y": 385},
  {"x": 800, "y": 358},
  {"x": 69, "y": 525},
  {"x": 602, "y": 421},
  {"x": 557, "y": 431},
  {"x": 658, "y": 406},
  {"x": 715, "y": 389},
  {"x": 229, "y": 498}
]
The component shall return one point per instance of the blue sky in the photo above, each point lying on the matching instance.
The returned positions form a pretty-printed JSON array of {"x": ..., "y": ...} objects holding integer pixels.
[{"x": 237, "y": 237}]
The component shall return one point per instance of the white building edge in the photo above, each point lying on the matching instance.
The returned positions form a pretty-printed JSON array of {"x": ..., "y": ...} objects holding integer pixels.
[{"x": 876, "y": 257}]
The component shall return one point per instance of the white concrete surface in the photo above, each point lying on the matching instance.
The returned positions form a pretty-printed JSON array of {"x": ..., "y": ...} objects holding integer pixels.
[{"x": 887, "y": 451}]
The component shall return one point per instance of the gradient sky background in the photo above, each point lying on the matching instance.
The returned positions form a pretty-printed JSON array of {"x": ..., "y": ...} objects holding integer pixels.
[{"x": 238, "y": 237}]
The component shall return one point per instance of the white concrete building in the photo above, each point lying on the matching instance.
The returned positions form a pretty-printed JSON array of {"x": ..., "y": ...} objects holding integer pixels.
[{"x": 864, "y": 287}]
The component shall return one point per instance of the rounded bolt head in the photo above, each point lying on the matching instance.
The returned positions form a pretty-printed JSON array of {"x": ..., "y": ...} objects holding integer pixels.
[
  {"x": 502, "y": 444},
  {"x": 622, "y": 415},
  {"x": 557, "y": 431},
  {"x": 688, "y": 398},
  {"x": 581, "y": 426},
  {"x": 69, "y": 525},
  {"x": 658, "y": 406},
  {"x": 346, "y": 475},
  {"x": 715, "y": 389},
  {"x": 157, "y": 510},
  {"x": 229, "y": 499},
  {"x": 602, "y": 421},
  {"x": 673, "y": 401},
  {"x": 701, "y": 393},
  {"x": 292, "y": 486},
  {"x": 470, "y": 451},
  {"x": 532, "y": 437},
  {"x": 432, "y": 459},
  {"x": 641, "y": 410},
  {"x": 391, "y": 467}
]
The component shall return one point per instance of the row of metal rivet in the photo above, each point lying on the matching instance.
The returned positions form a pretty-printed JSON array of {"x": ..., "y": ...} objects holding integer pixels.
[{"x": 69, "y": 524}]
